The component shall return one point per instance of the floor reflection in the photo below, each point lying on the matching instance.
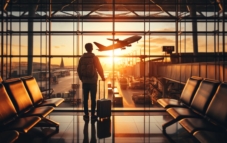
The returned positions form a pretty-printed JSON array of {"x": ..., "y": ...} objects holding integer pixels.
[
  {"x": 92, "y": 133},
  {"x": 129, "y": 128}
]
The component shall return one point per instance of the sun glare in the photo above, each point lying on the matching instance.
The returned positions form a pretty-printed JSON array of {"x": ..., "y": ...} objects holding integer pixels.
[{"x": 112, "y": 57}]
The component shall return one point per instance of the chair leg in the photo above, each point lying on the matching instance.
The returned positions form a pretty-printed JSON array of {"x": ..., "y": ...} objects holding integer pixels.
[
  {"x": 48, "y": 123},
  {"x": 165, "y": 125}
]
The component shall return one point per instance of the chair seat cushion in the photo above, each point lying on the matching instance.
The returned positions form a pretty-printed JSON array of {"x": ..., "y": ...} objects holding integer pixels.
[
  {"x": 40, "y": 111},
  {"x": 210, "y": 137},
  {"x": 52, "y": 102},
  {"x": 9, "y": 136},
  {"x": 194, "y": 124},
  {"x": 23, "y": 124},
  {"x": 167, "y": 102},
  {"x": 178, "y": 113}
]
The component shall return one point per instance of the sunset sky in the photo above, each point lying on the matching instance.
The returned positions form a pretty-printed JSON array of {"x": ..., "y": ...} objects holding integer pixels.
[{"x": 67, "y": 44}]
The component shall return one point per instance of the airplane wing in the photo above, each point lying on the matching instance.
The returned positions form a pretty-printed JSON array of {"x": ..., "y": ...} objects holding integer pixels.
[
  {"x": 100, "y": 46},
  {"x": 120, "y": 44}
]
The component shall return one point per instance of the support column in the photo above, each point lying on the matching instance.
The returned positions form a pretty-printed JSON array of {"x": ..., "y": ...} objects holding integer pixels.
[
  {"x": 177, "y": 38},
  {"x": 194, "y": 30},
  {"x": 31, "y": 14},
  {"x": 2, "y": 40}
]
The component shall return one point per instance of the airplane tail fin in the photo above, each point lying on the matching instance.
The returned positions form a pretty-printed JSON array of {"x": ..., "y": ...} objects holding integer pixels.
[{"x": 100, "y": 46}]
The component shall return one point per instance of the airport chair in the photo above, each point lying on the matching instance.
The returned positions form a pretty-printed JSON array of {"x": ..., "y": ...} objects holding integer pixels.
[
  {"x": 215, "y": 118},
  {"x": 9, "y": 119},
  {"x": 59, "y": 95},
  {"x": 199, "y": 104},
  {"x": 66, "y": 96},
  {"x": 204, "y": 136},
  {"x": 23, "y": 104},
  {"x": 115, "y": 90},
  {"x": 187, "y": 94},
  {"x": 36, "y": 95},
  {"x": 53, "y": 95},
  {"x": 9, "y": 136},
  {"x": 117, "y": 100}
]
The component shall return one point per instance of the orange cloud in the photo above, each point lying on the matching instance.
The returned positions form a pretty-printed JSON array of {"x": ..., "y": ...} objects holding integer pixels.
[
  {"x": 160, "y": 40},
  {"x": 57, "y": 47},
  {"x": 15, "y": 45},
  {"x": 168, "y": 29}
]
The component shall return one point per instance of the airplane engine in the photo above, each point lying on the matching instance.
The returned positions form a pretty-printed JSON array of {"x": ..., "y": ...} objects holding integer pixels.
[
  {"x": 123, "y": 48},
  {"x": 129, "y": 45}
]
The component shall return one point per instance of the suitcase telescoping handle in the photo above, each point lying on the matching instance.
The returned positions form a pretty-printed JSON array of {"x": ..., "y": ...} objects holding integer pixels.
[
  {"x": 103, "y": 88},
  {"x": 99, "y": 89}
]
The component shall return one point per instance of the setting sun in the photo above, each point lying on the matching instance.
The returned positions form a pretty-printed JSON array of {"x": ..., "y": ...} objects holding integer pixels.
[{"x": 111, "y": 58}]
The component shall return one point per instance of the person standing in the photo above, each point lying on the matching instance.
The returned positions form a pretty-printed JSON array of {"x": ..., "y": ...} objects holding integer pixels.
[{"x": 88, "y": 69}]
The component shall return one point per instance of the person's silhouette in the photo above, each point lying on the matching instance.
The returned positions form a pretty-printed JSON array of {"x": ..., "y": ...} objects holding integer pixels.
[{"x": 87, "y": 63}]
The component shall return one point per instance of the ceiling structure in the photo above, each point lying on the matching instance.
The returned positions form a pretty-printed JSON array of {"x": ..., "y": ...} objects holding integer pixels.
[
  {"x": 121, "y": 10},
  {"x": 114, "y": 11}
]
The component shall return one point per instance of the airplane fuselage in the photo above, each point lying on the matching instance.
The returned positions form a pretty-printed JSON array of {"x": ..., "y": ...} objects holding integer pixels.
[{"x": 132, "y": 39}]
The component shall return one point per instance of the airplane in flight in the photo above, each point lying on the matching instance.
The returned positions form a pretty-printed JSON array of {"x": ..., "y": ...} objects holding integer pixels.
[{"x": 122, "y": 44}]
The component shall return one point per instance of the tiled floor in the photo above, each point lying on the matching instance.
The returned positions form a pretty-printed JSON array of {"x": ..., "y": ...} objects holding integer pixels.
[{"x": 121, "y": 128}]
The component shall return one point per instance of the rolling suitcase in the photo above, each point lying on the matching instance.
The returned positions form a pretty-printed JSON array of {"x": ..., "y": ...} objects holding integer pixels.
[
  {"x": 104, "y": 128},
  {"x": 103, "y": 106}
]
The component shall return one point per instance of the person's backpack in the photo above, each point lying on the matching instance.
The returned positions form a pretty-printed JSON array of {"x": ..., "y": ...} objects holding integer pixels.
[{"x": 88, "y": 67}]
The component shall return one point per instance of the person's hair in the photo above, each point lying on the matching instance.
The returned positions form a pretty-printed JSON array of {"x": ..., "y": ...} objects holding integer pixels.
[{"x": 88, "y": 47}]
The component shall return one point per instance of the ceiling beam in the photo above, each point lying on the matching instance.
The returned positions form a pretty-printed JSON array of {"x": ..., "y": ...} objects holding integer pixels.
[
  {"x": 162, "y": 8},
  {"x": 61, "y": 9},
  {"x": 6, "y": 4}
]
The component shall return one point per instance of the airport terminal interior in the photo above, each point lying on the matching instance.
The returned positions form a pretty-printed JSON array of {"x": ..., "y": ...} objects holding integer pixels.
[{"x": 164, "y": 63}]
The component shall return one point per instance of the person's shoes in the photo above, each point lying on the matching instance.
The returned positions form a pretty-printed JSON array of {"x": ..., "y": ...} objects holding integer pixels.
[
  {"x": 86, "y": 118},
  {"x": 94, "y": 118}
]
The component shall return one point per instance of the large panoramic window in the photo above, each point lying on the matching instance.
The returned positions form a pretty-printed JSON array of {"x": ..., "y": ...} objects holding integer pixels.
[{"x": 138, "y": 43}]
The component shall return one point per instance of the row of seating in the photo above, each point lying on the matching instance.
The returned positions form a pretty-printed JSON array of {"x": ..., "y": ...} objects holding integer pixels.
[
  {"x": 201, "y": 109},
  {"x": 36, "y": 95},
  {"x": 9, "y": 136},
  {"x": 212, "y": 70},
  {"x": 117, "y": 98},
  {"x": 22, "y": 107}
]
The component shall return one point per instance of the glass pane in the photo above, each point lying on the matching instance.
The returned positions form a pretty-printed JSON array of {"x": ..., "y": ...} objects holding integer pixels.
[{"x": 48, "y": 45}]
